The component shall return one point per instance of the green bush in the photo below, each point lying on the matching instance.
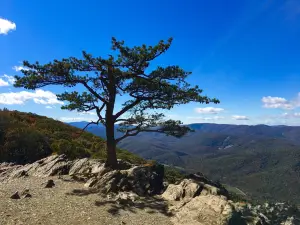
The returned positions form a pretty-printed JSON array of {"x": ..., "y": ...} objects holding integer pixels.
[
  {"x": 72, "y": 149},
  {"x": 24, "y": 145},
  {"x": 172, "y": 175},
  {"x": 27, "y": 137}
]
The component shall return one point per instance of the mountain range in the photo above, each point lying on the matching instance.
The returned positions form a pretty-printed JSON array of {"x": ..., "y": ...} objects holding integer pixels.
[{"x": 264, "y": 161}]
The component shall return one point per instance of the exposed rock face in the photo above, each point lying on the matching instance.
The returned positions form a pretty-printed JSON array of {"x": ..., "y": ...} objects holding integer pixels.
[
  {"x": 188, "y": 189},
  {"x": 277, "y": 213},
  {"x": 205, "y": 210},
  {"x": 198, "y": 203},
  {"x": 50, "y": 166},
  {"x": 202, "y": 202},
  {"x": 142, "y": 180}
]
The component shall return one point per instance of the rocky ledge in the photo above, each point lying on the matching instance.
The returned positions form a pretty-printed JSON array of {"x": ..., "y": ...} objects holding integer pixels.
[
  {"x": 195, "y": 200},
  {"x": 140, "y": 179}
]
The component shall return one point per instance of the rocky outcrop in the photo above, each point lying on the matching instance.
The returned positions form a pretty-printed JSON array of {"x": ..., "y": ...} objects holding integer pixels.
[
  {"x": 50, "y": 166},
  {"x": 199, "y": 203},
  {"x": 142, "y": 180},
  {"x": 204, "y": 210},
  {"x": 202, "y": 202},
  {"x": 194, "y": 201},
  {"x": 269, "y": 214},
  {"x": 189, "y": 188}
]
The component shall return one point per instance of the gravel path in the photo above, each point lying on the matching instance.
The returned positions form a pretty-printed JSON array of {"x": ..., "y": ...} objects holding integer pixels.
[{"x": 69, "y": 203}]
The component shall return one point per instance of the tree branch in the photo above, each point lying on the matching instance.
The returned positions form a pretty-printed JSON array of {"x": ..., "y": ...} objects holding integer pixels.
[
  {"x": 93, "y": 92},
  {"x": 92, "y": 122},
  {"x": 126, "y": 108},
  {"x": 98, "y": 111}
]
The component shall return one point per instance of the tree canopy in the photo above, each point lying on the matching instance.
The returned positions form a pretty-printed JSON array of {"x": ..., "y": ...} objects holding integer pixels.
[{"x": 121, "y": 74}]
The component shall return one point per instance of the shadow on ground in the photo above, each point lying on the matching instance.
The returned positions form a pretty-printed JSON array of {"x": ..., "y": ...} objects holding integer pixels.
[
  {"x": 82, "y": 192},
  {"x": 148, "y": 204}
]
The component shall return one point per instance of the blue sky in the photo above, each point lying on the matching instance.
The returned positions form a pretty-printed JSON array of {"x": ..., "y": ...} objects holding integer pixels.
[{"x": 246, "y": 53}]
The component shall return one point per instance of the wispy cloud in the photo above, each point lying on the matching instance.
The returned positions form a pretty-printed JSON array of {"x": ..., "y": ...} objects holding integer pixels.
[
  {"x": 209, "y": 110},
  {"x": 205, "y": 118},
  {"x": 238, "y": 117},
  {"x": 19, "y": 68},
  {"x": 6, "y": 26},
  {"x": 6, "y": 80},
  {"x": 49, "y": 107},
  {"x": 39, "y": 97},
  {"x": 3, "y": 83},
  {"x": 291, "y": 115},
  {"x": 75, "y": 119},
  {"x": 87, "y": 113},
  {"x": 280, "y": 103}
]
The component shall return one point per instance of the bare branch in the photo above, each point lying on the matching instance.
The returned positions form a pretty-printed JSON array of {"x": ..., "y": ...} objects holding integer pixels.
[{"x": 92, "y": 122}]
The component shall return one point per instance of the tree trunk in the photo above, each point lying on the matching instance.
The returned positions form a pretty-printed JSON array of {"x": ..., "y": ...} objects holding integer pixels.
[{"x": 111, "y": 160}]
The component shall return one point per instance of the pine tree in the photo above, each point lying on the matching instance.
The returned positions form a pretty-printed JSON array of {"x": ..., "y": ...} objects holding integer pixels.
[{"x": 124, "y": 74}]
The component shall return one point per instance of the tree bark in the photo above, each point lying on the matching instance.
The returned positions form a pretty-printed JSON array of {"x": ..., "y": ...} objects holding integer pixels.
[
  {"x": 111, "y": 160},
  {"x": 111, "y": 143}
]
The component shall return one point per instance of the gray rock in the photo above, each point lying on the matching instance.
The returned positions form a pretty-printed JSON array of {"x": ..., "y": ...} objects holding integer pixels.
[
  {"x": 49, "y": 184},
  {"x": 27, "y": 195},
  {"x": 90, "y": 182},
  {"x": 187, "y": 189},
  {"x": 15, "y": 195}
]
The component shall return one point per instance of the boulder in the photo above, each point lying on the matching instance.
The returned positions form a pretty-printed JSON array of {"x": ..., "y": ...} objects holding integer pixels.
[
  {"x": 142, "y": 180},
  {"x": 173, "y": 192},
  {"x": 91, "y": 182},
  {"x": 204, "y": 210},
  {"x": 187, "y": 189}
]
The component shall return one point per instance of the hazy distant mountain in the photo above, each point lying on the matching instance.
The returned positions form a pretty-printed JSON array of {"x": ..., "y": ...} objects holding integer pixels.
[{"x": 263, "y": 160}]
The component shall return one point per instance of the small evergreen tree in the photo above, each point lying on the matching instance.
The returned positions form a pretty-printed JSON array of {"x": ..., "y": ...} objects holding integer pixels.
[{"x": 104, "y": 79}]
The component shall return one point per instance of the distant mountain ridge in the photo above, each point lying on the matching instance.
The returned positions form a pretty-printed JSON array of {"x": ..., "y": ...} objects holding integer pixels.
[{"x": 266, "y": 157}]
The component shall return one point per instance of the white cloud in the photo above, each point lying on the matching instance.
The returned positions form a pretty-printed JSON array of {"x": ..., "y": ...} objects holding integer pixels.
[
  {"x": 3, "y": 83},
  {"x": 291, "y": 115},
  {"x": 87, "y": 113},
  {"x": 49, "y": 107},
  {"x": 39, "y": 96},
  {"x": 19, "y": 68},
  {"x": 205, "y": 118},
  {"x": 75, "y": 119},
  {"x": 237, "y": 117},
  {"x": 10, "y": 79},
  {"x": 6, "y": 80},
  {"x": 276, "y": 103},
  {"x": 281, "y": 103},
  {"x": 6, "y": 26},
  {"x": 209, "y": 110}
]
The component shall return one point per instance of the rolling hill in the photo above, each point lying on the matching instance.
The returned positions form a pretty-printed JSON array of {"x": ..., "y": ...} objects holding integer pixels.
[
  {"x": 27, "y": 137},
  {"x": 263, "y": 161}
]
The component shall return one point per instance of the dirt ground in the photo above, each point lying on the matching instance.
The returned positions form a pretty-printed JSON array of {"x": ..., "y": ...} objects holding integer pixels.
[{"x": 69, "y": 203}]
